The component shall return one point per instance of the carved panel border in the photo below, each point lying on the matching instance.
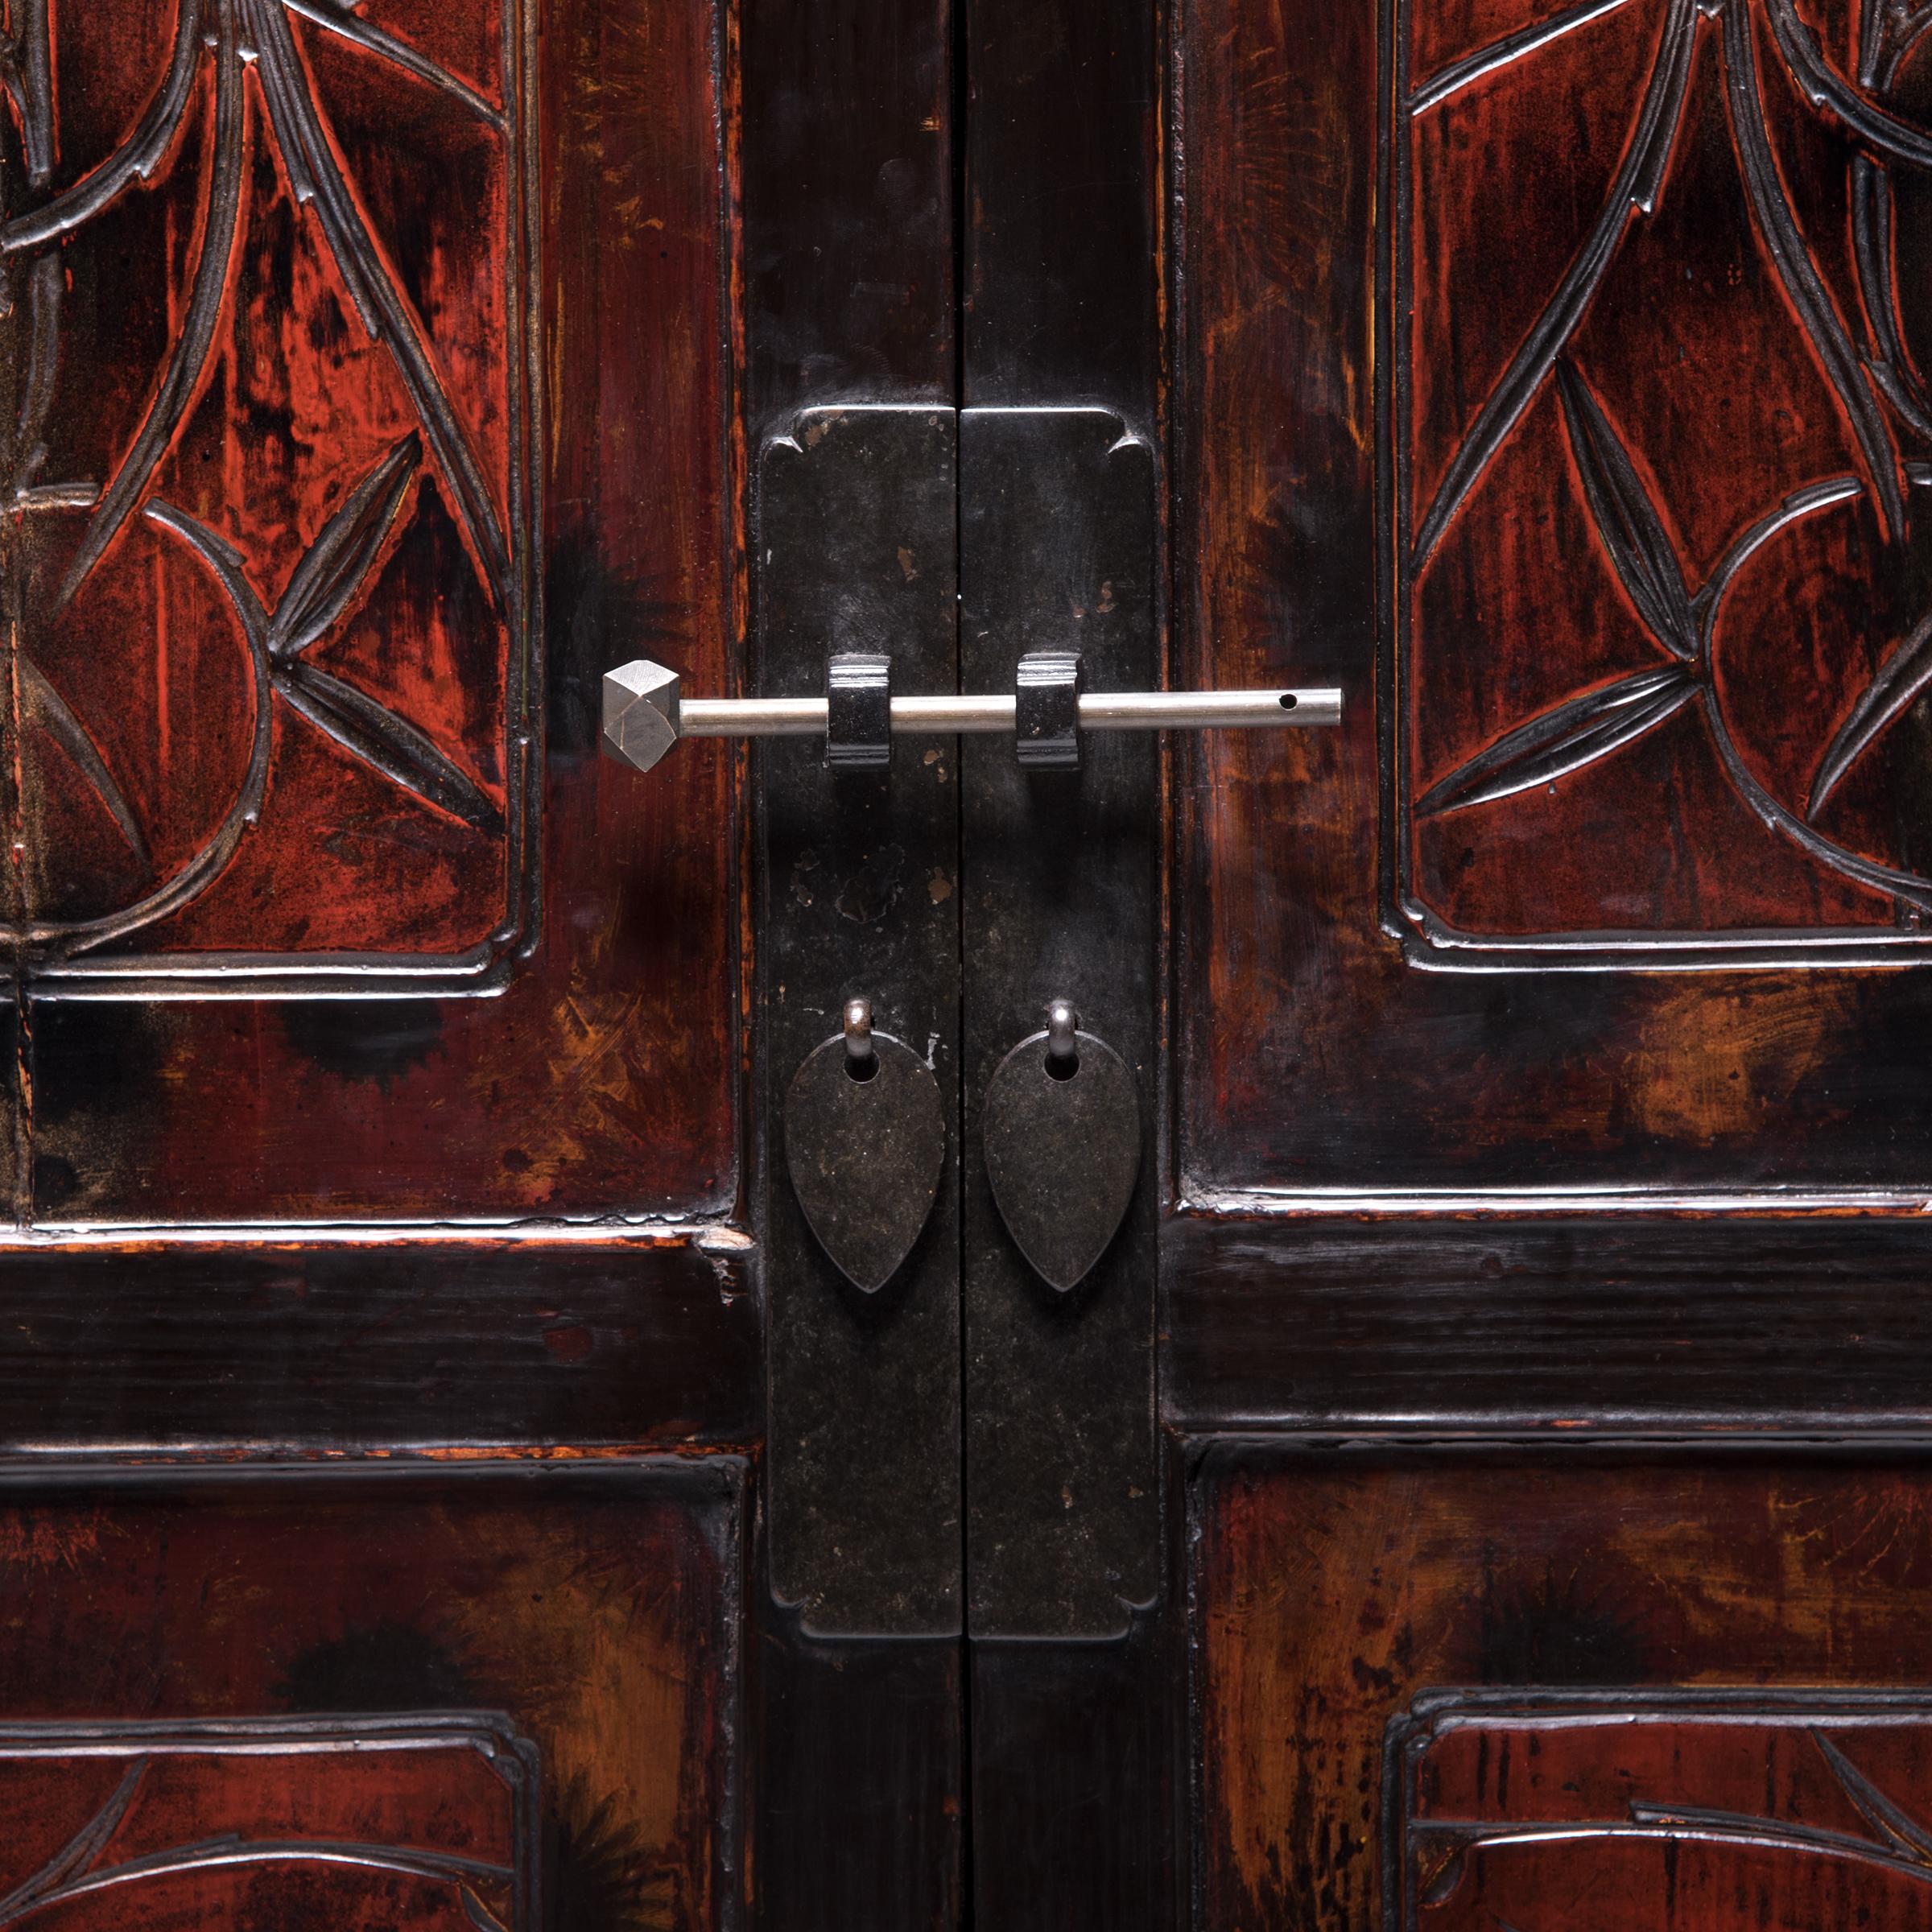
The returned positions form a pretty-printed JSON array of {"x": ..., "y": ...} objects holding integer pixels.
[
  {"x": 1654, "y": 440},
  {"x": 271, "y": 606},
  {"x": 1723, "y": 1805},
  {"x": 203, "y": 1815}
]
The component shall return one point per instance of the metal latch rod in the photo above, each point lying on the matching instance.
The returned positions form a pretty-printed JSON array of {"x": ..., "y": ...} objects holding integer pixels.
[{"x": 645, "y": 714}]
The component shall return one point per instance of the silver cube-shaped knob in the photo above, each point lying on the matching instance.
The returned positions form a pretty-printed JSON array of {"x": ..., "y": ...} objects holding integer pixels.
[{"x": 639, "y": 712}]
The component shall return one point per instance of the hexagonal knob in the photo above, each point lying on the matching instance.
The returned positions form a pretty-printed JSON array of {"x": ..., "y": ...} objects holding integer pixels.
[{"x": 639, "y": 712}]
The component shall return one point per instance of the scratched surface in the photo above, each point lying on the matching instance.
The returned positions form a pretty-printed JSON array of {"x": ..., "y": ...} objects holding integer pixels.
[
  {"x": 1657, "y": 425},
  {"x": 312, "y": 1704},
  {"x": 1444, "y": 1691},
  {"x": 421, "y": 1825},
  {"x": 363, "y": 381},
  {"x": 1550, "y": 379},
  {"x": 1633, "y": 1812},
  {"x": 268, "y": 547}
]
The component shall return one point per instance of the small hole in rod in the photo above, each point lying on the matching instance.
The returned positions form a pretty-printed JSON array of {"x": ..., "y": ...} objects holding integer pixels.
[{"x": 1288, "y": 701}]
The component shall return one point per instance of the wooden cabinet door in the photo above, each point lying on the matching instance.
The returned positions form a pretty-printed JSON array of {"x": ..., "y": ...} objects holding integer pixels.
[
  {"x": 443, "y": 1480},
  {"x": 380, "y": 1359},
  {"x": 1544, "y": 1276}
]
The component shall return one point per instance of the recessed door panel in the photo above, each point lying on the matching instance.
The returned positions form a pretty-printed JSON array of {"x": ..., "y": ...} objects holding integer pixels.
[
  {"x": 1443, "y": 1687},
  {"x": 492, "y": 1697},
  {"x": 368, "y": 385},
  {"x": 1548, "y": 382}
]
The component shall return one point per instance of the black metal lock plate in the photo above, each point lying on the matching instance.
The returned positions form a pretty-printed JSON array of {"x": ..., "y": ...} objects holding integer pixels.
[
  {"x": 1061, "y": 892},
  {"x": 858, "y": 872}
]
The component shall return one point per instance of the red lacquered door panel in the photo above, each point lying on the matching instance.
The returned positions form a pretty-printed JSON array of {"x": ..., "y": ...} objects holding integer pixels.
[
  {"x": 382, "y": 1366},
  {"x": 1558, "y": 416},
  {"x": 1444, "y": 1690},
  {"x": 352, "y": 414},
  {"x": 1548, "y": 1107}
]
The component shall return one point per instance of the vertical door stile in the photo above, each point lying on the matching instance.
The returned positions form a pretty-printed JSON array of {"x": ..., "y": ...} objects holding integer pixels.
[
  {"x": 1071, "y": 1782},
  {"x": 847, "y": 262}
]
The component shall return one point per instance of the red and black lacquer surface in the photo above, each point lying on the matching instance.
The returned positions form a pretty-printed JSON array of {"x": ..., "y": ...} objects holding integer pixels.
[
  {"x": 366, "y": 390},
  {"x": 482, "y": 1697},
  {"x": 1713, "y": 1810},
  {"x": 1664, "y": 1688},
  {"x": 362, "y": 397},
  {"x": 1550, "y": 378},
  {"x": 425, "y": 1821},
  {"x": 1657, "y": 428},
  {"x": 269, "y": 543}
]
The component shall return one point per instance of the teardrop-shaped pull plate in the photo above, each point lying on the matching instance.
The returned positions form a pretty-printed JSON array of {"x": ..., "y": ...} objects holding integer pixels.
[
  {"x": 865, "y": 1151},
  {"x": 1063, "y": 1139}
]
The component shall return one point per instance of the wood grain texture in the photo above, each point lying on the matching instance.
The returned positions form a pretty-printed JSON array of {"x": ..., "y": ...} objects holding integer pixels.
[
  {"x": 470, "y": 181},
  {"x": 270, "y": 541},
  {"x": 1334, "y": 1592},
  {"x": 1073, "y": 1795},
  {"x": 1729, "y": 566},
  {"x": 429, "y": 1821},
  {"x": 1565, "y": 1321},
  {"x": 1568, "y": 437},
  {"x": 377, "y": 1348},
  {"x": 595, "y": 1611},
  {"x": 862, "y": 1816},
  {"x": 1634, "y": 1808}
]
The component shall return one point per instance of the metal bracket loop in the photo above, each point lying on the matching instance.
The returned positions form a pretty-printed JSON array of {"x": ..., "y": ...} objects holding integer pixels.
[
  {"x": 1046, "y": 710},
  {"x": 858, "y": 711}
]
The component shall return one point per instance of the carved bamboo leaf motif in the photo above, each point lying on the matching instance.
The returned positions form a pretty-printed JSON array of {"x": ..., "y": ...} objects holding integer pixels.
[
  {"x": 1632, "y": 533},
  {"x": 46, "y": 707},
  {"x": 333, "y": 569},
  {"x": 338, "y": 17},
  {"x": 74, "y": 1872},
  {"x": 227, "y": 167},
  {"x": 378, "y": 737},
  {"x": 1500, "y": 53},
  {"x": 1825, "y": 88},
  {"x": 1792, "y": 259},
  {"x": 309, "y": 154},
  {"x": 210, "y": 47},
  {"x": 478, "y": 1913},
  {"x": 1899, "y": 680},
  {"x": 1860, "y": 343},
  {"x": 1577, "y": 733},
  {"x": 325, "y": 585},
  {"x": 1638, "y": 183},
  {"x": 1881, "y": 1812},
  {"x": 224, "y": 563},
  {"x": 140, "y": 155},
  {"x": 29, "y": 80},
  {"x": 81, "y": 1850}
]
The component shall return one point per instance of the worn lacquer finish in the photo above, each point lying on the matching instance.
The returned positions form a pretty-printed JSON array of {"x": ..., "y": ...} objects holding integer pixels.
[
  {"x": 481, "y": 1698},
  {"x": 1546, "y": 376},
  {"x": 367, "y": 395},
  {"x": 1654, "y": 629},
  {"x": 1414, "y": 1665},
  {"x": 429, "y": 1821},
  {"x": 1727, "y": 1810},
  {"x": 268, "y": 540}
]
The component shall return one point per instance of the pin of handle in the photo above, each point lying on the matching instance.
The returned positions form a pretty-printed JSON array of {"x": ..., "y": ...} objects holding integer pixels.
[{"x": 646, "y": 713}]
